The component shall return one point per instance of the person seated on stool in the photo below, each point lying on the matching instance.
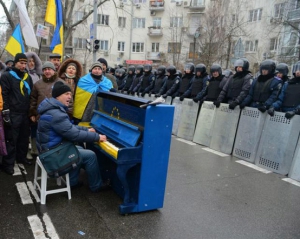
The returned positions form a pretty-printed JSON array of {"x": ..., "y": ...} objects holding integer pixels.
[{"x": 54, "y": 126}]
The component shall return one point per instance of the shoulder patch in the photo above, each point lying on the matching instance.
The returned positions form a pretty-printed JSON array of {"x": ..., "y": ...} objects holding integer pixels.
[
  {"x": 177, "y": 81},
  {"x": 207, "y": 83}
]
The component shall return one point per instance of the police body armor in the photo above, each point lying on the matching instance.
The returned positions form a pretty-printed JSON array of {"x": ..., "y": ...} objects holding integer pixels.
[
  {"x": 185, "y": 82},
  {"x": 291, "y": 98},
  {"x": 213, "y": 89},
  {"x": 261, "y": 91},
  {"x": 129, "y": 80},
  {"x": 197, "y": 86},
  {"x": 136, "y": 80},
  {"x": 158, "y": 84},
  {"x": 235, "y": 86},
  {"x": 146, "y": 81}
]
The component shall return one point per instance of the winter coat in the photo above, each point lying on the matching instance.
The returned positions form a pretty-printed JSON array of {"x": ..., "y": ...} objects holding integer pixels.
[
  {"x": 55, "y": 126},
  {"x": 37, "y": 71}
]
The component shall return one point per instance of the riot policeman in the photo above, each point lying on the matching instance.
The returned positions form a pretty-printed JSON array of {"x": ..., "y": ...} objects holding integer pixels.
[
  {"x": 288, "y": 100},
  {"x": 159, "y": 81},
  {"x": 237, "y": 87},
  {"x": 128, "y": 79},
  {"x": 186, "y": 79},
  {"x": 138, "y": 77},
  {"x": 145, "y": 85},
  {"x": 120, "y": 75},
  {"x": 198, "y": 82},
  {"x": 282, "y": 71},
  {"x": 171, "y": 85},
  {"x": 265, "y": 89},
  {"x": 213, "y": 86}
]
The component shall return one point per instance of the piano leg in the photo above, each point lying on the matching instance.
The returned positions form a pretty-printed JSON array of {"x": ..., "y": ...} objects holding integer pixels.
[{"x": 122, "y": 172}]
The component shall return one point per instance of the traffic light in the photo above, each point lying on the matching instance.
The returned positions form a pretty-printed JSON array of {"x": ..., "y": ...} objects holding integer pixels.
[{"x": 96, "y": 45}]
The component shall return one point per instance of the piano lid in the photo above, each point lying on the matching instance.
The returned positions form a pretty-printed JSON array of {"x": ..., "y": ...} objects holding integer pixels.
[{"x": 117, "y": 130}]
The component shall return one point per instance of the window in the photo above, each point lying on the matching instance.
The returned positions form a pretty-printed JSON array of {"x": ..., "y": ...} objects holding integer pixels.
[
  {"x": 294, "y": 38},
  {"x": 103, "y": 19},
  {"x": 174, "y": 47},
  {"x": 157, "y": 22},
  {"x": 251, "y": 46},
  {"x": 196, "y": 3},
  {"x": 176, "y": 22},
  {"x": 139, "y": 1},
  {"x": 279, "y": 10},
  {"x": 234, "y": 18},
  {"x": 79, "y": 43},
  {"x": 155, "y": 47},
  {"x": 255, "y": 15},
  {"x": 121, "y": 46},
  {"x": 122, "y": 22},
  {"x": 273, "y": 44},
  {"x": 103, "y": 45},
  {"x": 78, "y": 16},
  {"x": 139, "y": 23},
  {"x": 137, "y": 47}
]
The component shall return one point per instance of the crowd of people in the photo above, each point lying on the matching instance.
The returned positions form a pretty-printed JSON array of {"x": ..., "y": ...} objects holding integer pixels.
[{"x": 43, "y": 103}]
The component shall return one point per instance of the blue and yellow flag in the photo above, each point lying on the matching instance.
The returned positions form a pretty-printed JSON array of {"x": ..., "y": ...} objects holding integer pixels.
[
  {"x": 15, "y": 43},
  {"x": 54, "y": 16}
]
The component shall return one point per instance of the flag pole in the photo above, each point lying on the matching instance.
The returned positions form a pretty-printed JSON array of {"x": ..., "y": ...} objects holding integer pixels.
[{"x": 40, "y": 46}]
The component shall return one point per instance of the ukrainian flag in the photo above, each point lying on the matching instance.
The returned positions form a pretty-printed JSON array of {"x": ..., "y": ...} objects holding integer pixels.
[
  {"x": 15, "y": 43},
  {"x": 54, "y": 17}
]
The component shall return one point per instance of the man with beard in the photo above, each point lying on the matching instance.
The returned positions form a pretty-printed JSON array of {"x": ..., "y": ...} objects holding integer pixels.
[
  {"x": 16, "y": 88},
  {"x": 238, "y": 85},
  {"x": 288, "y": 100},
  {"x": 265, "y": 89}
]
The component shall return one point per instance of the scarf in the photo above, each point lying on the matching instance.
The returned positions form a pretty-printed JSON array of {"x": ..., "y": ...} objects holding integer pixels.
[{"x": 22, "y": 82}]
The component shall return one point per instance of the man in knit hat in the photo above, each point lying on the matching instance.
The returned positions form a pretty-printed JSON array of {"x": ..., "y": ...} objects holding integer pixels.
[
  {"x": 16, "y": 88},
  {"x": 55, "y": 126},
  {"x": 108, "y": 75}
]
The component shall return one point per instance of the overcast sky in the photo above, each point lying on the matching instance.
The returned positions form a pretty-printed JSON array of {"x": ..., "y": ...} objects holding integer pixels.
[{"x": 2, "y": 14}]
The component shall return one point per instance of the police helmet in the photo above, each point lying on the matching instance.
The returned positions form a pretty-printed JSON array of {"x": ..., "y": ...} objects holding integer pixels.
[
  {"x": 140, "y": 68},
  {"x": 282, "y": 68},
  {"x": 190, "y": 67},
  {"x": 120, "y": 72},
  {"x": 171, "y": 69},
  {"x": 243, "y": 62},
  {"x": 200, "y": 68},
  {"x": 154, "y": 72},
  {"x": 161, "y": 70},
  {"x": 179, "y": 73},
  {"x": 147, "y": 68},
  {"x": 296, "y": 67},
  {"x": 268, "y": 65},
  {"x": 216, "y": 67},
  {"x": 132, "y": 69},
  {"x": 227, "y": 73}
]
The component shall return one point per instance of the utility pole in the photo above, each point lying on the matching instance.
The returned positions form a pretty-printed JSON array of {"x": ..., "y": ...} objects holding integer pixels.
[{"x": 95, "y": 30}]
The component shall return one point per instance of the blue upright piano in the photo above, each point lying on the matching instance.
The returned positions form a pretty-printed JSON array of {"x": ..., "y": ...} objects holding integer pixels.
[{"x": 135, "y": 157}]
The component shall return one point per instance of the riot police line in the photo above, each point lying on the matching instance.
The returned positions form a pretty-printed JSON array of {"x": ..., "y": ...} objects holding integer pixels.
[{"x": 233, "y": 113}]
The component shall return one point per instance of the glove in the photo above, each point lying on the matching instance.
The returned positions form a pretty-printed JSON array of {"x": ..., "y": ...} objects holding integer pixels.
[
  {"x": 157, "y": 95},
  {"x": 262, "y": 108},
  {"x": 289, "y": 114},
  {"x": 164, "y": 95},
  {"x": 6, "y": 118},
  {"x": 122, "y": 91},
  {"x": 181, "y": 98},
  {"x": 137, "y": 94},
  {"x": 113, "y": 90},
  {"x": 143, "y": 94},
  {"x": 242, "y": 106},
  {"x": 128, "y": 92},
  {"x": 195, "y": 100},
  {"x": 217, "y": 103},
  {"x": 232, "y": 105},
  {"x": 271, "y": 111},
  {"x": 150, "y": 93},
  {"x": 132, "y": 92}
]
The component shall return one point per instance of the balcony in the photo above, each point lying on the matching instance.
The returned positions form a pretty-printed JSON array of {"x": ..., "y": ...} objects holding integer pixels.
[
  {"x": 294, "y": 15},
  {"x": 195, "y": 5},
  {"x": 155, "y": 56},
  {"x": 157, "y": 5},
  {"x": 155, "y": 31}
]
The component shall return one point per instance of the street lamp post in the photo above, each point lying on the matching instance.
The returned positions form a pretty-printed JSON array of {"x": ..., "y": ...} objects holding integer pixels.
[{"x": 196, "y": 35}]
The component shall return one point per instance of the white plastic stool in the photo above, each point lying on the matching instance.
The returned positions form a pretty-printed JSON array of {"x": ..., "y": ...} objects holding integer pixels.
[{"x": 44, "y": 177}]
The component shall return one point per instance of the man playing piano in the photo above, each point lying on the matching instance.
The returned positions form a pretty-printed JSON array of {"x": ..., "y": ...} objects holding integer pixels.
[{"x": 55, "y": 126}]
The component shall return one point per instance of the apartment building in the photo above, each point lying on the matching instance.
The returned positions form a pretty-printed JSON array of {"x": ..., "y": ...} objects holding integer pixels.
[{"x": 179, "y": 31}]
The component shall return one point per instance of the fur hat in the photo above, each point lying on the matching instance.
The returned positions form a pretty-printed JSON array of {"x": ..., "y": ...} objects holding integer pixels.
[
  {"x": 20, "y": 57},
  {"x": 48, "y": 64},
  {"x": 60, "y": 88}
]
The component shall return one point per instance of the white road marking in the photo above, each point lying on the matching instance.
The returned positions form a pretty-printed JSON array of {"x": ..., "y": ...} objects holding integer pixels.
[
  {"x": 292, "y": 181},
  {"x": 17, "y": 170},
  {"x": 215, "y": 152},
  {"x": 186, "y": 141},
  {"x": 24, "y": 193},
  {"x": 250, "y": 165},
  {"x": 37, "y": 227}
]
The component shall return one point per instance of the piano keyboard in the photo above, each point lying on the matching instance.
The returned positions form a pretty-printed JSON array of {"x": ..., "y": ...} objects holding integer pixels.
[{"x": 109, "y": 148}]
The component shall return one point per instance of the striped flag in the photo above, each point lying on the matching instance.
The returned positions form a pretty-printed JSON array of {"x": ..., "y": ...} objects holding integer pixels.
[
  {"x": 54, "y": 17},
  {"x": 15, "y": 43}
]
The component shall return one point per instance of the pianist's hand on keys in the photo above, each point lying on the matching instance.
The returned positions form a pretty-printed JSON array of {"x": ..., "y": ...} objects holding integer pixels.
[{"x": 102, "y": 138}]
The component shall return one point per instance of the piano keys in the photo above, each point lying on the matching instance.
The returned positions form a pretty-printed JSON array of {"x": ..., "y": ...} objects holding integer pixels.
[{"x": 135, "y": 157}]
